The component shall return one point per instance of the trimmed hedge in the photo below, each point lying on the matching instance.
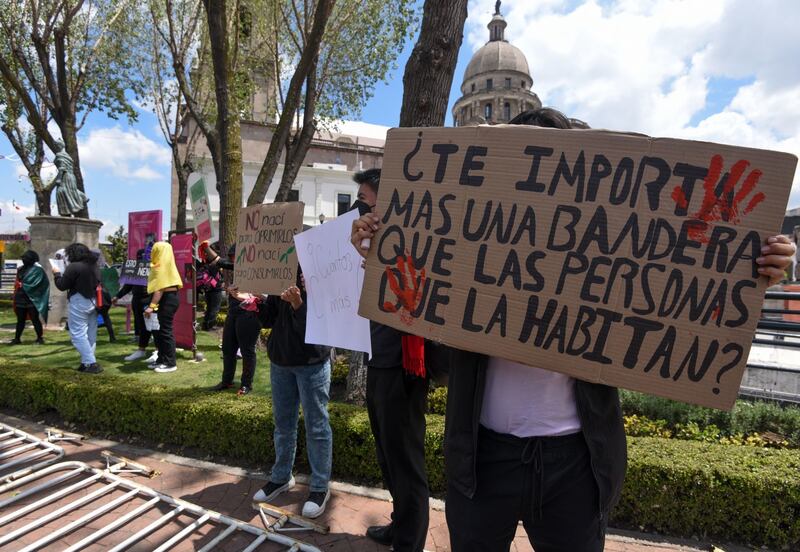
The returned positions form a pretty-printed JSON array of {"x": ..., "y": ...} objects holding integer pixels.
[{"x": 743, "y": 494}]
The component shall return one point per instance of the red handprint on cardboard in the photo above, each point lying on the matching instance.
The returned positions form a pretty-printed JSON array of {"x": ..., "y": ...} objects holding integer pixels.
[
  {"x": 408, "y": 289},
  {"x": 725, "y": 206}
]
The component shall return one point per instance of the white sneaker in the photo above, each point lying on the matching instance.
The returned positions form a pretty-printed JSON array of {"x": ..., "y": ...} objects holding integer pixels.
[
  {"x": 136, "y": 355},
  {"x": 163, "y": 368},
  {"x": 272, "y": 490},
  {"x": 315, "y": 504},
  {"x": 152, "y": 359}
]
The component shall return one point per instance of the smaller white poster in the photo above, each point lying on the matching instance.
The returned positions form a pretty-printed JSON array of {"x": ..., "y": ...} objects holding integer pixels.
[{"x": 333, "y": 276}]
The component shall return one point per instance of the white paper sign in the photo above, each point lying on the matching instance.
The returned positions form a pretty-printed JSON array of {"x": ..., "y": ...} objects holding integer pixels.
[{"x": 334, "y": 276}]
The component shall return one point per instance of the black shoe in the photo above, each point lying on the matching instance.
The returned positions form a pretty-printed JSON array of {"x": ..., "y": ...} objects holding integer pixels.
[
  {"x": 243, "y": 390},
  {"x": 315, "y": 504},
  {"x": 93, "y": 368},
  {"x": 271, "y": 490},
  {"x": 222, "y": 386},
  {"x": 15, "y": 341},
  {"x": 39, "y": 341},
  {"x": 381, "y": 534},
  {"x": 82, "y": 368}
]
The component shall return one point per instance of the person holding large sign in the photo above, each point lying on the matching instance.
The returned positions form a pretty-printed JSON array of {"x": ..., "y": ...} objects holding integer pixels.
[{"x": 523, "y": 443}]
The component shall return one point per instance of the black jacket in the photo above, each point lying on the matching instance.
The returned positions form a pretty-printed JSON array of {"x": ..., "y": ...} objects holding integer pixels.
[
  {"x": 598, "y": 409},
  {"x": 286, "y": 345},
  {"x": 79, "y": 277}
]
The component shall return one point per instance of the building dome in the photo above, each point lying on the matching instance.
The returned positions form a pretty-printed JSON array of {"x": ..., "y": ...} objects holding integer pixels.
[
  {"x": 497, "y": 82},
  {"x": 497, "y": 55}
]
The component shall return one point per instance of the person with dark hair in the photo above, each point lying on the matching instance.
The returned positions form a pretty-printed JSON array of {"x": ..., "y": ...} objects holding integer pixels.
[
  {"x": 242, "y": 326},
  {"x": 163, "y": 282},
  {"x": 80, "y": 280},
  {"x": 139, "y": 301},
  {"x": 210, "y": 284},
  {"x": 531, "y": 445},
  {"x": 396, "y": 399},
  {"x": 300, "y": 374},
  {"x": 31, "y": 296}
]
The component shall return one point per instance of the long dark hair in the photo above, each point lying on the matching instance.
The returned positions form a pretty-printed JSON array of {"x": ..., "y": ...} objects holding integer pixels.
[
  {"x": 547, "y": 117},
  {"x": 77, "y": 252}
]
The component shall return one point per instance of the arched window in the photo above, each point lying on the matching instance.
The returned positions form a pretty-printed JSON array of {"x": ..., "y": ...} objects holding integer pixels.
[
  {"x": 487, "y": 112},
  {"x": 507, "y": 111}
]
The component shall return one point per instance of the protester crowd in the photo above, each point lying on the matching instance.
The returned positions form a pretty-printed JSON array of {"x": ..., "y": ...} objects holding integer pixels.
[{"x": 521, "y": 443}]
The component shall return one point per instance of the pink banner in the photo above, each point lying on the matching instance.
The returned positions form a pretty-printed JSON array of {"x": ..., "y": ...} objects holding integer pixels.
[
  {"x": 144, "y": 229},
  {"x": 183, "y": 326}
]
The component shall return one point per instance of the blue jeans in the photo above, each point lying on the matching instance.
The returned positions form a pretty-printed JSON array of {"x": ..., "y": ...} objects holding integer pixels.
[
  {"x": 310, "y": 386},
  {"x": 82, "y": 318}
]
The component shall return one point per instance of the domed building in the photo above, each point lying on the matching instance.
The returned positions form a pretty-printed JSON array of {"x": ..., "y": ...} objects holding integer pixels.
[{"x": 497, "y": 83}]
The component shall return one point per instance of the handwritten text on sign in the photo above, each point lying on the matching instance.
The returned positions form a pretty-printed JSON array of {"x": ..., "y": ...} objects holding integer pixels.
[
  {"x": 613, "y": 258},
  {"x": 265, "y": 260},
  {"x": 333, "y": 276}
]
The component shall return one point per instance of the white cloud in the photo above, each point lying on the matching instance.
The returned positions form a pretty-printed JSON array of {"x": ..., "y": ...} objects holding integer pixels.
[
  {"x": 14, "y": 220},
  {"x": 124, "y": 153},
  {"x": 648, "y": 66}
]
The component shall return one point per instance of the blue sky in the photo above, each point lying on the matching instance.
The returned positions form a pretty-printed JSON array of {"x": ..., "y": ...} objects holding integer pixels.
[{"x": 663, "y": 67}]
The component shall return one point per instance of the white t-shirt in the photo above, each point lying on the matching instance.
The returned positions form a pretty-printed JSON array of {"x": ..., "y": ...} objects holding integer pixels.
[{"x": 528, "y": 402}]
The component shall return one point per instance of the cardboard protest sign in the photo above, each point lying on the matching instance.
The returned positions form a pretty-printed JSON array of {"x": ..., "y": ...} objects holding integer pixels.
[
  {"x": 266, "y": 261},
  {"x": 613, "y": 258},
  {"x": 334, "y": 276}
]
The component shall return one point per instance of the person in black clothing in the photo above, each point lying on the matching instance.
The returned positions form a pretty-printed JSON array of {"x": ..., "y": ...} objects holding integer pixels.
[
  {"x": 209, "y": 282},
  {"x": 242, "y": 327},
  {"x": 396, "y": 404},
  {"x": 24, "y": 305},
  {"x": 80, "y": 280},
  {"x": 139, "y": 301},
  {"x": 531, "y": 445},
  {"x": 163, "y": 282},
  {"x": 300, "y": 374}
]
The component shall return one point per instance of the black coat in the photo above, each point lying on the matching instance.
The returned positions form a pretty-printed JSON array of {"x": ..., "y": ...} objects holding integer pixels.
[{"x": 598, "y": 409}]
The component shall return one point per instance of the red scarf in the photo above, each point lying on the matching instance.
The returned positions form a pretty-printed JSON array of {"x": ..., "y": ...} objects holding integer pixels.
[{"x": 414, "y": 355}]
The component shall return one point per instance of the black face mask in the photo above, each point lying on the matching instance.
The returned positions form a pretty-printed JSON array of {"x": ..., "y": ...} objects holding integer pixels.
[{"x": 362, "y": 207}]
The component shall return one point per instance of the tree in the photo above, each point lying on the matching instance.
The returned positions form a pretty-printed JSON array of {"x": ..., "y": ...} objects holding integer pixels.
[
  {"x": 14, "y": 250},
  {"x": 357, "y": 47},
  {"x": 426, "y": 90},
  {"x": 60, "y": 52},
  {"x": 28, "y": 145},
  {"x": 177, "y": 21},
  {"x": 118, "y": 252},
  {"x": 429, "y": 70}
]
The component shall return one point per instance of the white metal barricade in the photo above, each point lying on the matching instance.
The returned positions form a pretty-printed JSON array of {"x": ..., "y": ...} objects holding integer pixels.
[
  {"x": 78, "y": 506},
  {"x": 22, "y": 452}
]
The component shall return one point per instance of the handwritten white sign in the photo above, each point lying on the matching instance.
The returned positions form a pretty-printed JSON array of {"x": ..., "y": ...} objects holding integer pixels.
[{"x": 334, "y": 276}]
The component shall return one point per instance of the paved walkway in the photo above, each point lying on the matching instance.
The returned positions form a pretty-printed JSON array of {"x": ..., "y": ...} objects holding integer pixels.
[{"x": 351, "y": 510}]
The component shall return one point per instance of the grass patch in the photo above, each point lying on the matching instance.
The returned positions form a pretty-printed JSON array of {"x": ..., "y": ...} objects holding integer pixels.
[{"x": 58, "y": 353}]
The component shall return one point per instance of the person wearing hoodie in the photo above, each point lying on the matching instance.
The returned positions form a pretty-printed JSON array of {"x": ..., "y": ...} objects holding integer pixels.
[
  {"x": 80, "y": 280},
  {"x": 163, "y": 283},
  {"x": 31, "y": 296},
  {"x": 300, "y": 375}
]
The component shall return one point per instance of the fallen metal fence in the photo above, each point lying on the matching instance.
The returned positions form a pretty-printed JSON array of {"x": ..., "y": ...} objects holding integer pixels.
[
  {"x": 79, "y": 506},
  {"x": 21, "y": 452}
]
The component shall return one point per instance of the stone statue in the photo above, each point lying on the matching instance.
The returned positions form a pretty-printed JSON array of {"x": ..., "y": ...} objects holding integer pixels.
[
  {"x": 69, "y": 198},
  {"x": 497, "y": 7}
]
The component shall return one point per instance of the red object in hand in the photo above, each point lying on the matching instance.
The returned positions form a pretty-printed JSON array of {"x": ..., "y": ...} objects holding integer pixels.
[{"x": 202, "y": 250}]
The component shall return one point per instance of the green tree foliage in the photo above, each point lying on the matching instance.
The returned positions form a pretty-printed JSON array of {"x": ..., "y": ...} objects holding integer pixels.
[
  {"x": 360, "y": 44},
  {"x": 72, "y": 55},
  {"x": 118, "y": 251},
  {"x": 14, "y": 250}
]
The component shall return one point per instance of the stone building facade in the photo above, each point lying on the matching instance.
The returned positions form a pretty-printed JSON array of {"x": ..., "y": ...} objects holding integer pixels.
[{"x": 497, "y": 82}]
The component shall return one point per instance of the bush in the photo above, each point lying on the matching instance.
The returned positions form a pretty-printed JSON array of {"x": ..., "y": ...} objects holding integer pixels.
[
  {"x": 746, "y": 418},
  {"x": 340, "y": 369},
  {"x": 686, "y": 488},
  {"x": 437, "y": 400}
]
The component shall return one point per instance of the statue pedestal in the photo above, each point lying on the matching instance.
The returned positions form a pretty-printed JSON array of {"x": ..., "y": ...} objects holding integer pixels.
[{"x": 48, "y": 235}]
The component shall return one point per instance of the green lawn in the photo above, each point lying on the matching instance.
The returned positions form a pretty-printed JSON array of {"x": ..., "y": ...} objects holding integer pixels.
[{"x": 58, "y": 352}]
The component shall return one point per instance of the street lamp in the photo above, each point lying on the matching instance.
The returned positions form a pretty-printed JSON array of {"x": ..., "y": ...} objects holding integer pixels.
[{"x": 322, "y": 218}]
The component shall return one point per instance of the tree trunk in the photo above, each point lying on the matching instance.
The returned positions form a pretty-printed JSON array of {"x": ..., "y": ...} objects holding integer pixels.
[
  {"x": 230, "y": 188},
  {"x": 291, "y": 103},
  {"x": 183, "y": 189},
  {"x": 429, "y": 71},
  {"x": 42, "y": 194},
  {"x": 356, "y": 392}
]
